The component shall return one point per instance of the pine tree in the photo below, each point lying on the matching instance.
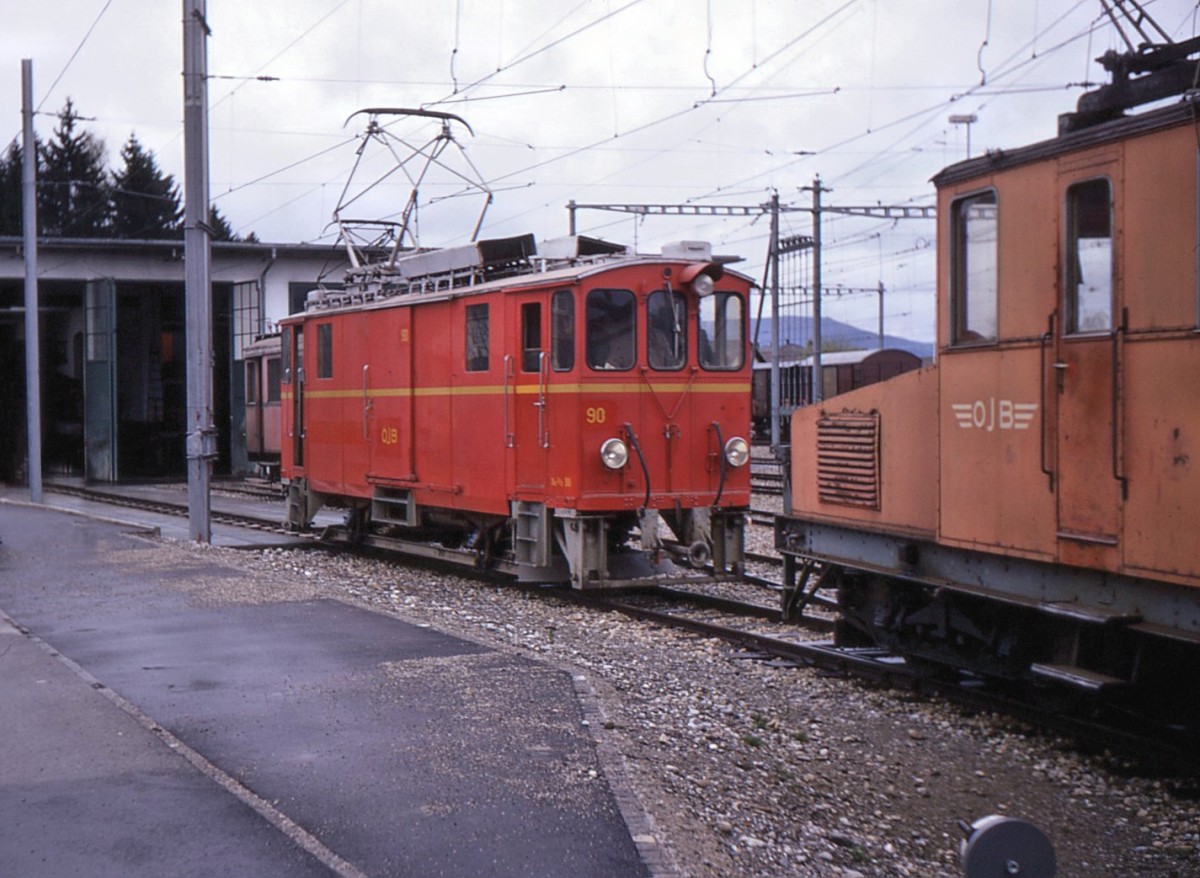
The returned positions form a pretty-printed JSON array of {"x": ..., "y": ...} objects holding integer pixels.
[
  {"x": 11, "y": 176},
  {"x": 221, "y": 230},
  {"x": 73, "y": 188},
  {"x": 145, "y": 201}
]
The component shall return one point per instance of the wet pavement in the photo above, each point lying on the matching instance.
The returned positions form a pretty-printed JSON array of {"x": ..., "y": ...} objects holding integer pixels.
[{"x": 152, "y": 729}]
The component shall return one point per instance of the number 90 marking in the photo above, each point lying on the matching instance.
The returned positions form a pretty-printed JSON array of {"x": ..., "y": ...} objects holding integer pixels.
[{"x": 595, "y": 414}]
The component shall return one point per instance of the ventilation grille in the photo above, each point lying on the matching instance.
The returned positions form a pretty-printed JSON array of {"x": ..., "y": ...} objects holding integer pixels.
[{"x": 848, "y": 459}]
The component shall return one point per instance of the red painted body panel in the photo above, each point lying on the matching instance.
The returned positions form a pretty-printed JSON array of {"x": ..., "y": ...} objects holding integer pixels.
[{"x": 416, "y": 418}]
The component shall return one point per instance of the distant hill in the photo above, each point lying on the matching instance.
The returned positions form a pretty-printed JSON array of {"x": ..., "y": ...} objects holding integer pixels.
[{"x": 796, "y": 332}]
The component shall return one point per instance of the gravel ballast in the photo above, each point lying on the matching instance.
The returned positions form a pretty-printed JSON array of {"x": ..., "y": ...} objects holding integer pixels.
[{"x": 743, "y": 768}]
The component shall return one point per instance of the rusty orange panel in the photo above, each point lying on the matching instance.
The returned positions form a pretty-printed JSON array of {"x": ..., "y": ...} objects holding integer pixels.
[
  {"x": 993, "y": 490},
  {"x": 908, "y": 443},
  {"x": 1161, "y": 456},
  {"x": 1158, "y": 247}
]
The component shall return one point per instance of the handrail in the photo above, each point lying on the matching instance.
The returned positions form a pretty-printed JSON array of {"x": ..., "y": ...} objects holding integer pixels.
[
  {"x": 509, "y": 438},
  {"x": 1047, "y": 337},
  {"x": 543, "y": 381},
  {"x": 1118, "y": 402},
  {"x": 367, "y": 404},
  {"x": 721, "y": 460}
]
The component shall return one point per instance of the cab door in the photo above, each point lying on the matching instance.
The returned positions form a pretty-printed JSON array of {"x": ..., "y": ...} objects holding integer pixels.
[
  {"x": 294, "y": 341},
  {"x": 1088, "y": 376},
  {"x": 527, "y": 391}
]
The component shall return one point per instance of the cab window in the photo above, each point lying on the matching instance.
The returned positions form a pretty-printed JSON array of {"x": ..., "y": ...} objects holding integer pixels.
[
  {"x": 324, "y": 350},
  {"x": 477, "y": 338},
  {"x": 1089, "y": 263},
  {"x": 531, "y": 336},
  {"x": 722, "y": 332},
  {"x": 287, "y": 355},
  {"x": 666, "y": 330},
  {"x": 562, "y": 331},
  {"x": 611, "y": 332},
  {"x": 252, "y": 382},
  {"x": 273, "y": 379},
  {"x": 974, "y": 289}
]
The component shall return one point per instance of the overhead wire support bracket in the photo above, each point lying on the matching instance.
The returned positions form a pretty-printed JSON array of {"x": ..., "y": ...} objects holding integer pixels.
[{"x": 886, "y": 211}]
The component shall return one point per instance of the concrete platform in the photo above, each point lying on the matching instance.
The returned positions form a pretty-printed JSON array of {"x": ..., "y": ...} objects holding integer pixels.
[{"x": 148, "y": 731}]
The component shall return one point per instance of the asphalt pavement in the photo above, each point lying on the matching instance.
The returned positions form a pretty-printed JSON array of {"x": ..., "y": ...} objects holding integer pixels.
[{"x": 149, "y": 731}]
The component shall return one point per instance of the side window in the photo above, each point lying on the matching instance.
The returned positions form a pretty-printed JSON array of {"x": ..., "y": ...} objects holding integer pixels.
[
  {"x": 287, "y": 355},
  {"x": 477, "y": 338},
  {"x": 252, "y": 382},
  {"x": 1089, "y": 262},
  {"x": 531, "y": 336},
  {"x": 666, "y": 330},
  {"x": 974, "y": 290},
  {"x": 324, "y": 350},
  {"x": 722, "y": 332},
  {"x": 562, "y": 331},
  {"x": 273, "y": 379},
  {"x": 611, "y": 333}
]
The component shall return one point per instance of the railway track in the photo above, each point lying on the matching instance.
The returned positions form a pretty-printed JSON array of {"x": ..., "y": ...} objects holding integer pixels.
[
  {"x": 167, "y": 507},
  {"x": 799, "y": 642}
]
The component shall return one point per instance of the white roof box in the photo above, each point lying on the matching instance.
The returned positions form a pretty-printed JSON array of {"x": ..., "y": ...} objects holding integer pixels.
[
  {"x": 700, "y": 251},
  {"x": 577, "y": 246}
]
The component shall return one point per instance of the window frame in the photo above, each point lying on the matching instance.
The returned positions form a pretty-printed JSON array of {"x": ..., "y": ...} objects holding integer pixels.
[
  {"x": 722, "y": 364},
  {"x": 324, "y": 332},
  {"x": 1073, "y": 273},
  {"x": 677, "y": 302},
  {"x": 253, "y": 381},
  {"x": 531, "y": 337},
  {"x": 562, "y": 331},
  {"x": 477, "y": 345},
  {"x": 963, "y": 330},
  {"x": 592, "y": 338},
  {"x": 274, "y": 379},
  {"x": 285, "y": 365}
]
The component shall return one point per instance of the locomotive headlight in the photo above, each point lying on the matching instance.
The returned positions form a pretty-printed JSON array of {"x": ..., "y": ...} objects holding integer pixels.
[
  {"x": 703, "y": 285},
  {"x": 737, "y": 451},
  {"x": 614, "y": 453}
]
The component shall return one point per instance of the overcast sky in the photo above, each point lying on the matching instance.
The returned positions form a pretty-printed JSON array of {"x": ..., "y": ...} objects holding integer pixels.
[{"x": 600, "y": 101}]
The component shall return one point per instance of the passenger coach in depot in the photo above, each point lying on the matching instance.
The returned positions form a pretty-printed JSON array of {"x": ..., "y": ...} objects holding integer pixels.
[
  {"x": 1026, "y": 508},
  {"x": 578, "y": 414}
]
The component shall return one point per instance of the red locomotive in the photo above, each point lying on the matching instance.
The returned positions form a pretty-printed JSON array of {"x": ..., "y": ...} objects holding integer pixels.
[
  {"x": 550, "y": 414},
  {"x": 1023, "y": 509}
]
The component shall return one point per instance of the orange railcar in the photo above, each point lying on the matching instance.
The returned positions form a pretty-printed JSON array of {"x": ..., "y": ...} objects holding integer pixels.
[
  {"x": 1024, "y": 508},
  {"x": 262, "y": 419},
  {"x": 547, "y": 415}
]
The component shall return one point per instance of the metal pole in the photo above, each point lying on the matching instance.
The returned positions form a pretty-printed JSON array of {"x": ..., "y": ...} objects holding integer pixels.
[
  {"x": 776, "y": 394},
  {"x": 33, "y": 375},
  {"x": 817, "y": 380},
  {"x": 201, "y": 440},
  {"x": 881, "y": 315},
  {"x": 571, "y": 214}
]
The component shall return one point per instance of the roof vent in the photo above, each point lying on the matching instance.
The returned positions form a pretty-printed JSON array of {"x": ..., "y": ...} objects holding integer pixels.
[{"x": 701, "y": 251}]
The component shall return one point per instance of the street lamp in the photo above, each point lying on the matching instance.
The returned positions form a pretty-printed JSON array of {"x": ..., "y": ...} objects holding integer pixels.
[{"x": 965, "y": 119}]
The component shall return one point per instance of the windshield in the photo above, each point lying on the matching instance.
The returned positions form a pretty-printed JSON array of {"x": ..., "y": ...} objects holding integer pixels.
[
  {"x": 611, "y": 329},
  {"x": 722, "y": 332},
  {"x": 666, "y": 330}
]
